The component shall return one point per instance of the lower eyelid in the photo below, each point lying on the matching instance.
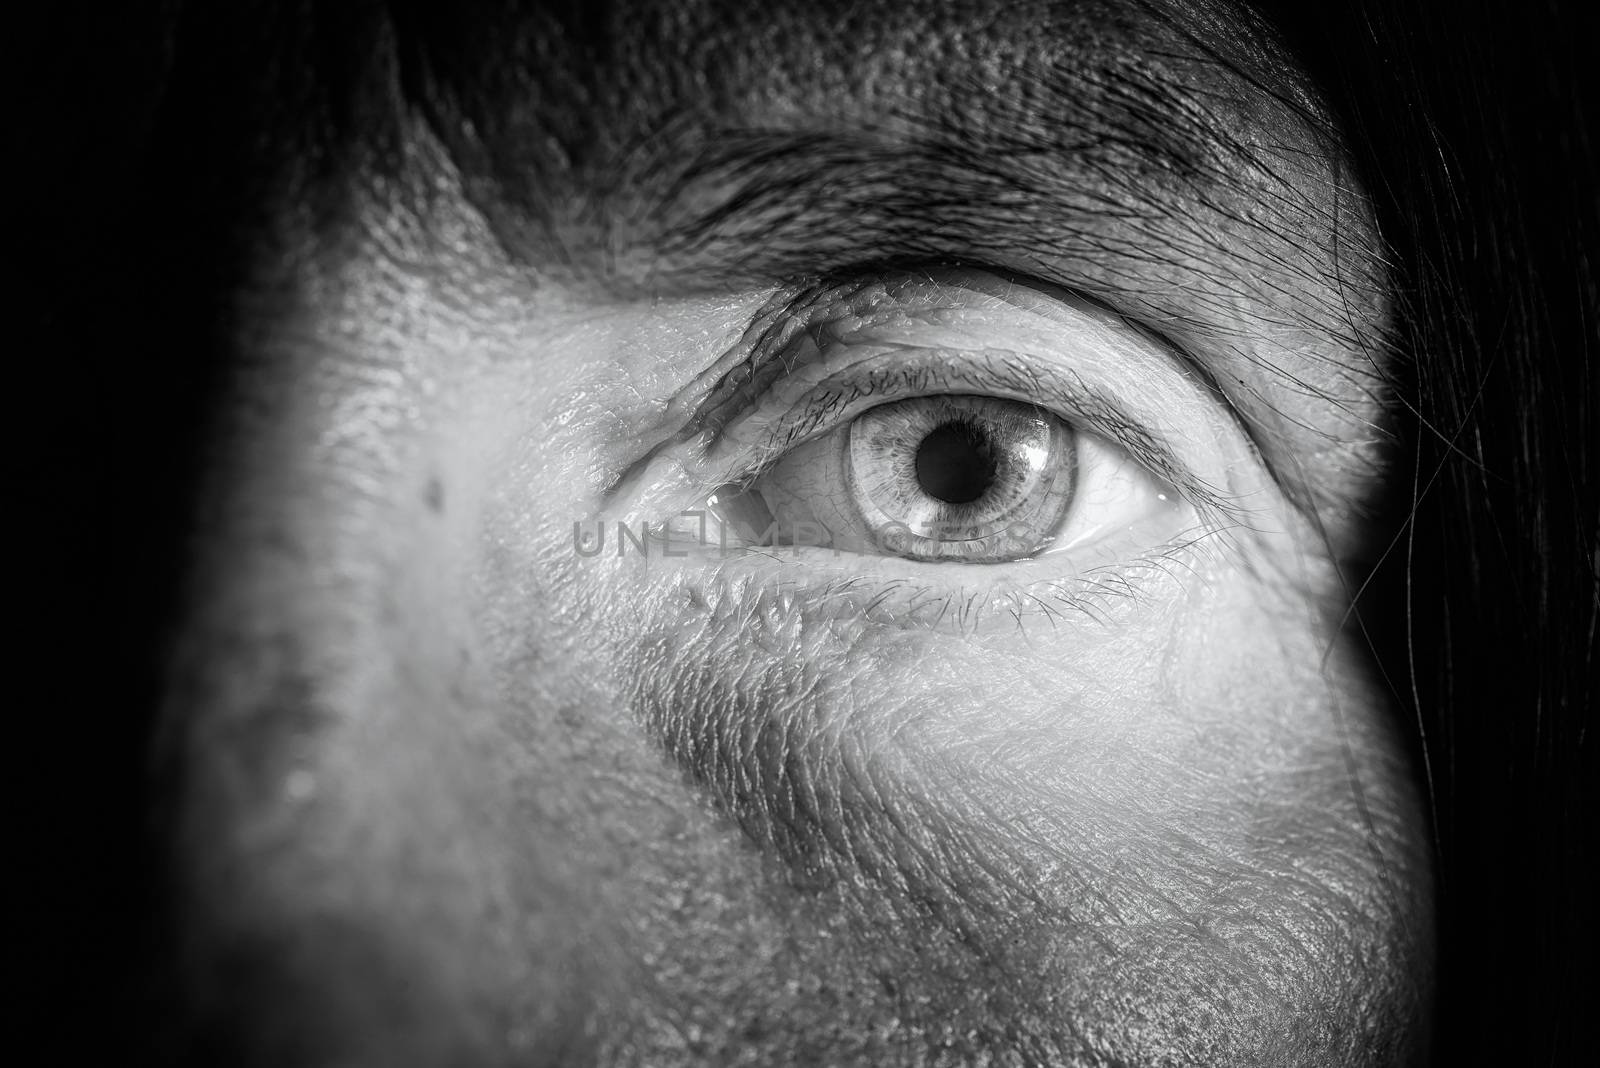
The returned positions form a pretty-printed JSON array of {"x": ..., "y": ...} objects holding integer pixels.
[{"x": 820, "y": 585}]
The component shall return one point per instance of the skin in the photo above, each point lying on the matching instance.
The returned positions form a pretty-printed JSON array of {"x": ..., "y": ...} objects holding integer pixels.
[{"x": 451, "y": 792}]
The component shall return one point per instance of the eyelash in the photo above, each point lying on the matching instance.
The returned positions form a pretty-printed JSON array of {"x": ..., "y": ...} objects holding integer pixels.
[
  {"x": 829, "y": 404},
  {"x": 845, "y": 386},
  {"x": 1093, "y": 594}
]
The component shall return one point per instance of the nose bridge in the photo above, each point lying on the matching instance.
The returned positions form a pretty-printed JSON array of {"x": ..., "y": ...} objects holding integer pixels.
[{"x": 342, "y": 823}]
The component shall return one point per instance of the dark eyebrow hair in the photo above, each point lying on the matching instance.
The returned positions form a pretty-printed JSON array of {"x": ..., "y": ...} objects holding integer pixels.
[
  {"x": 598, "y": 152},
  {"x": 769, "y": 203}
]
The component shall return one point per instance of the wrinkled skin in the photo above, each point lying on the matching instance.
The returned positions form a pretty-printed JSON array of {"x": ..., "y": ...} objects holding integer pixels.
[{"x": 454, "y": 793}]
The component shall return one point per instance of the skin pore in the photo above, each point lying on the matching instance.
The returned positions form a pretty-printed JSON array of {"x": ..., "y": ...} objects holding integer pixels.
[{"x": 453, "y": 791}]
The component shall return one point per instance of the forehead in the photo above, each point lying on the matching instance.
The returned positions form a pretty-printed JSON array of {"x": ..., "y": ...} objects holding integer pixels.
[{"x": 640, "y": 58}]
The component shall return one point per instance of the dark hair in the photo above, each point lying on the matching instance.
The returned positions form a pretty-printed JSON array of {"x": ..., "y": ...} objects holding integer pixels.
[
  {"x": 1467, "y": 120},
  {"x": 1473, "y": 124}
]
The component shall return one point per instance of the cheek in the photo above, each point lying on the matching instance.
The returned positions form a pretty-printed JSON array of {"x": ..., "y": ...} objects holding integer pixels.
[
  {"x": 449, "y": 794},
  {"x": 1196, "y": 813}
]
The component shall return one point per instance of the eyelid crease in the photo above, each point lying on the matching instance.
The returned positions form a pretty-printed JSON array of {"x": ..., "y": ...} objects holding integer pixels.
[
  {"x": 824, "y": 308},
  {"x": 1005, "y": 374},
  {"x": 757, "y": 360},
  {"x": 769, "y": 326},
  {"x": 769, "y": 357}
]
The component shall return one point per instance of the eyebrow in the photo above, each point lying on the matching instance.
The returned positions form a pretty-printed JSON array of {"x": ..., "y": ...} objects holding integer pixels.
[{"x": 1032, "y": 138}]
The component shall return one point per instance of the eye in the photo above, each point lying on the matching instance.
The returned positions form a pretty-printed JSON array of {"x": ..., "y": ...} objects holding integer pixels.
[
  {"x": 931, "y": 449},
  {"x": 973, "y": 479},
  {"x": 962, "y": 477}
]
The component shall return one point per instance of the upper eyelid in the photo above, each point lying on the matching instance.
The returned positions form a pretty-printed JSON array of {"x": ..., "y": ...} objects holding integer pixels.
[
  {"x": 775, "y": 327},
  {"x": 1084, "y": 406},
  {"x": 764, "y": 357},
  {"x": 758, "y": 352},
  {"x": 768, "y": 351},
  {"x": 781, "y": 320}
]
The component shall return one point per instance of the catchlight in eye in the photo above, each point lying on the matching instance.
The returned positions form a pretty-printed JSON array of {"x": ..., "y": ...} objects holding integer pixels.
[
  {"x": 969, "y": 478},
  {"x": 957, "y": 478}
]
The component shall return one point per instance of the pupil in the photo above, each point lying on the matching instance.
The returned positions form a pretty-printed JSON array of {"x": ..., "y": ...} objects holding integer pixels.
[{"x": 956, "y": 463}]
